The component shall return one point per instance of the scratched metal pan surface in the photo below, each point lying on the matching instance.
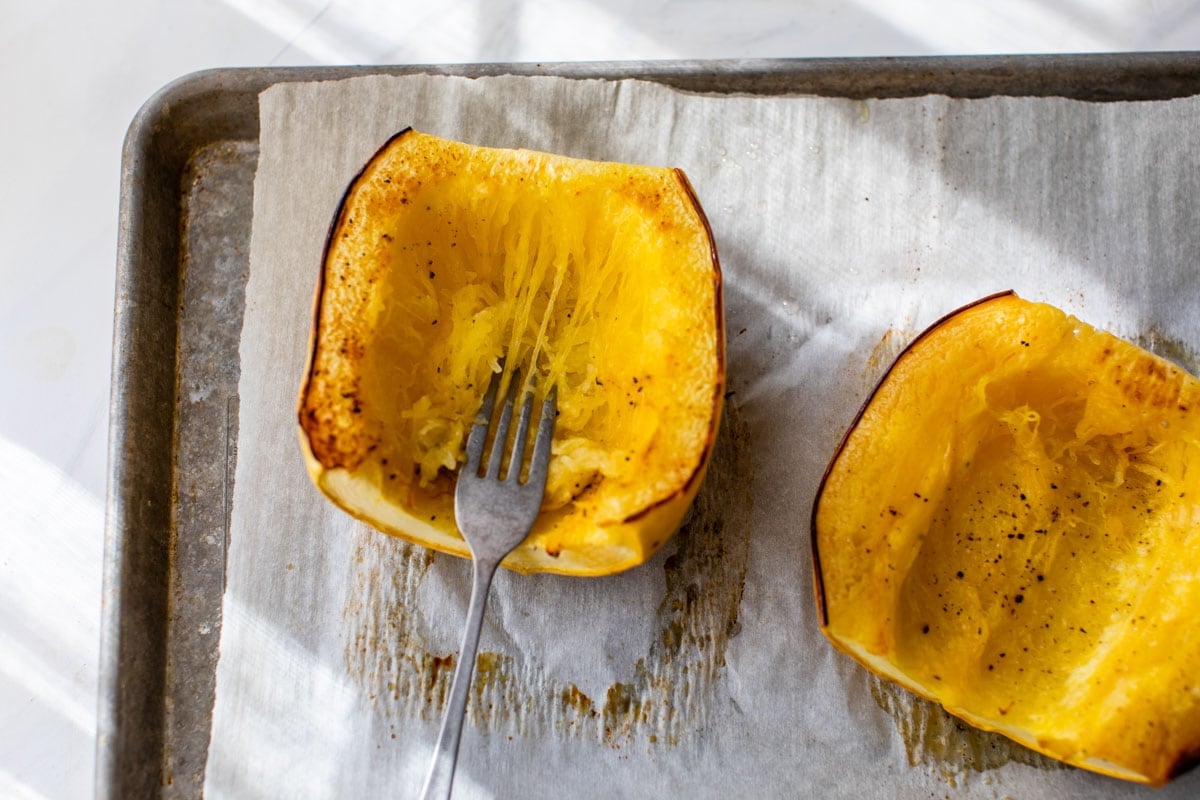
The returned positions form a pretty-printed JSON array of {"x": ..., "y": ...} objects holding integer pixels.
[{"x": 184, "y": 232}]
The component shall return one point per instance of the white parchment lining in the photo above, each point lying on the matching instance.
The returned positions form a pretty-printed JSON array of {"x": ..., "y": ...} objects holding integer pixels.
[{"x": 843, "y": 227}]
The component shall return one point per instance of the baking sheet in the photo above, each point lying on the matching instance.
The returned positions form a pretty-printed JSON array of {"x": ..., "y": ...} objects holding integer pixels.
[
  {"x": 845, "y": 226},
  {"x": 212, "y": 118}
]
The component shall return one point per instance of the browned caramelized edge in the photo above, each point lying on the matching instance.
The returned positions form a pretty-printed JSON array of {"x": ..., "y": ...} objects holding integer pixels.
[
  {"x": 719, "y": 384},
  {"x": 314, "y": 333},
  {"x": 818, "y": 578}
]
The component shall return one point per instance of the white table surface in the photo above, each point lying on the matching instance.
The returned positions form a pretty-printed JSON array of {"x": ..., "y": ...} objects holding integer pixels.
[{"x": 72, "y": 75}]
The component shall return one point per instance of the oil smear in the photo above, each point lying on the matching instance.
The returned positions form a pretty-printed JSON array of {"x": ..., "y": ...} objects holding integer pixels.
[
  {"x": 1157, "y": 341},
  {"x": 668, "y": 697},
  {"x": 933, "y": 737}
]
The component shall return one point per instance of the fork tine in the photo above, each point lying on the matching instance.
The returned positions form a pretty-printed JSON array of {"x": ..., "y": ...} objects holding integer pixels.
[
  {"x": 541, "y": 447},
  {"x": 518, "y": 446},
  {"x": 493, "y": 470},
  {"x": 483, "y": 418}
]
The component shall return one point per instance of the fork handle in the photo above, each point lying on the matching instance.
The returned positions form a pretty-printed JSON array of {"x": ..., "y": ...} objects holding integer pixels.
[{"x": 441, "y": 771}]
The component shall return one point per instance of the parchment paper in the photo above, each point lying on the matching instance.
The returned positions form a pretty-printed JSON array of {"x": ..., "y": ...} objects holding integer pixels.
[{"x": 844, "y": 227}]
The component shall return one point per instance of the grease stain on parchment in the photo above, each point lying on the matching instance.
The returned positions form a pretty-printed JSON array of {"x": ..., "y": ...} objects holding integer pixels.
[
  {"x": 1177, "y": 352},
  {"x": 883, "y": 355},
  {"x": 889, "y": 346},
  {"x": 662, "y": 702},
  {"x": 935, "y": 738}
]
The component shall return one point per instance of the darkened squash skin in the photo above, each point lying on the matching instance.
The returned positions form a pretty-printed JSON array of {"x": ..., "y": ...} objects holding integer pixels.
[
  {"x": 1011, "y": 528},
  {"x": 442, "y": 258}
]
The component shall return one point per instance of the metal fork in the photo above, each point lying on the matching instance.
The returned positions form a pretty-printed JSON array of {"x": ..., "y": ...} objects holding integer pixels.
[{"x": 494, "y": 515}]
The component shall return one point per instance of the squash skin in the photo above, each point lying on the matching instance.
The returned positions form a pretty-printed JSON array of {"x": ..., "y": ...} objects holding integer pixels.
[
  {"x": 996, "y": 564},
  {"x": 342, "y": 453}
]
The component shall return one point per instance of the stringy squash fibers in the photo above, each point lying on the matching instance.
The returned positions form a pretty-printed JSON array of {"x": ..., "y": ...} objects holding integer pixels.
[
  {"x": 445, "y": 257},
  {"x": 1012, "y": 529}
]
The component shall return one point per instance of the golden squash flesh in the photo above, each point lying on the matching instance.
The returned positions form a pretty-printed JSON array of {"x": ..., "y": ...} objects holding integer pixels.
[
  {"x": 447, "y": 262},
  {"x": 1011, "y": 528}
]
